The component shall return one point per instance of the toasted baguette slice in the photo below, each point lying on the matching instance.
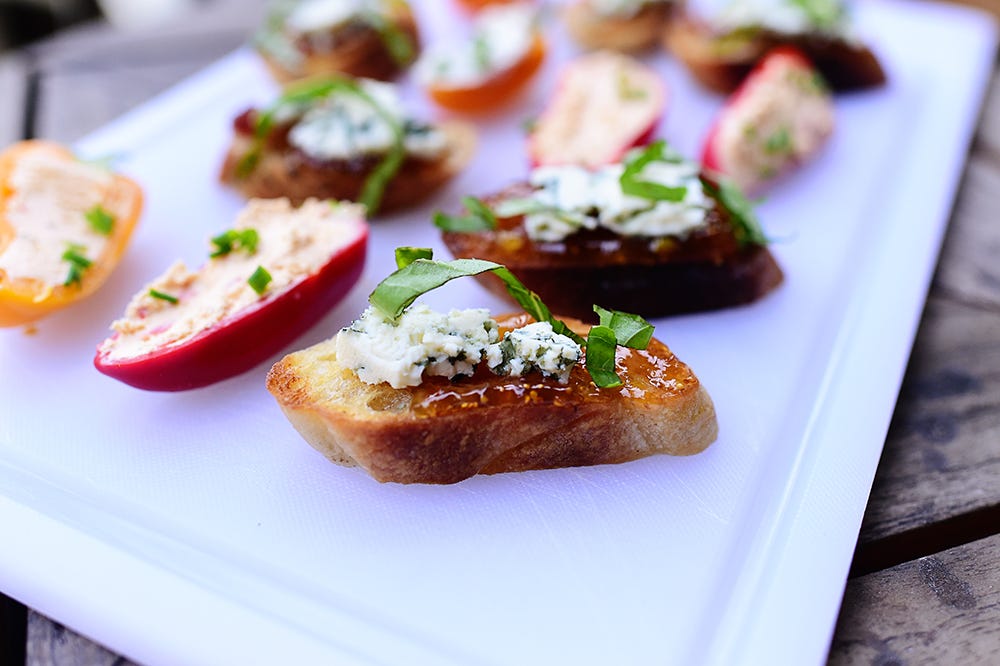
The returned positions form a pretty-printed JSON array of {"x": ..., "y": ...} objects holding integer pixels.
[
  {"x": 283, "y": 171},
  {"x": 708, "y": 270},
  {"x": 357, "y": 49},
  {"x": 630, "y": 34},
  {"x": 444, "y": 431},
  {"x": 721, "y": 62}
]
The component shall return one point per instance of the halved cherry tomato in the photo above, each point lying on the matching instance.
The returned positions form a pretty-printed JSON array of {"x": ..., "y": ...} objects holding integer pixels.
[
  {"x": 498, "y": 89},
  {"x": 791, "y": 118},
  {"x": 476, "y": 5},
  {"x": 248, "y": 336},
  {"x": 118, "y": 200},
  {"x": 605, "y": 104}
]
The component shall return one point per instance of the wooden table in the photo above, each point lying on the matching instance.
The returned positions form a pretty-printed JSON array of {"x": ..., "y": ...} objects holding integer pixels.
[{"x": 925, "y": 582}]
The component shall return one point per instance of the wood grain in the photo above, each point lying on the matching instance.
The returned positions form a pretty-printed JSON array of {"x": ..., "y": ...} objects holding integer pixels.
[
  {"x": 52, "y": 644},
  {"x": 943, "y": 609}
]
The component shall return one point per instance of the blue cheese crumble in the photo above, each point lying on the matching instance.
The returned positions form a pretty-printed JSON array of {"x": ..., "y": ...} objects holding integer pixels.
[
  {"x": 424, "y": 342},
  {"x": 569, "y": 198},
  {"x": 346, "y": 125},
  {"x": 534, "y": 348},
  {"x": 419, "y": 341}
]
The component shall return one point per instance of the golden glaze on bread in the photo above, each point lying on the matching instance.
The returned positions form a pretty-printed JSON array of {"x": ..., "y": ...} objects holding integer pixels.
[
  {"x": 283, "y": 171},
  {"x": 634, "y": 33},
  {"x": 444, "y": 431}
]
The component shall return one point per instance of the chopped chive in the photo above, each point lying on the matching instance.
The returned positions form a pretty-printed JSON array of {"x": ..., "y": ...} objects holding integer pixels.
[
  {"x": 227, "y": 241},
  {"x": 77, "y": 263},
  {"x": 259, "y": 280},
  {"x": 100, "y": 220},
  {"x": 164, "y": 296}
]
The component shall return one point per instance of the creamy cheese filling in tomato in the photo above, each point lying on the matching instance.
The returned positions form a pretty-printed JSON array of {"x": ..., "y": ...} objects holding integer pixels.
[
  {"x": 48, "y": 215},
  {"x": 292, "y": 244},
  {"x": 783, "y": 117},
  {"x": 501, "y": 37}
]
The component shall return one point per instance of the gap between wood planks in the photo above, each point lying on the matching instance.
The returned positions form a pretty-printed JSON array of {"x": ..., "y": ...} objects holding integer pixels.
[
  {"x": 918, "y": 542},
  {"x": 13, "y": 631}
]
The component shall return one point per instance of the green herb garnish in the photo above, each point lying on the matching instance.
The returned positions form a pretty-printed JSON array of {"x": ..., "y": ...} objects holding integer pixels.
[
  {"x": 632, "y": 184},
  {"x": 823, "y": 14},
  {"x": 100, "y": 220},
  {"x": 259, "y": 280},
  {"x": 779, "y": 143},
  {"x": 164, "y": 296},
  {"x": 227, "y": 241},
  {"x": 479, "y": 218},
  {"x": 628, "y": 91},
  {"x": 746, "y": 226},
  {"x": 77, "y": 263},
  {"x": 406, "y": 255},
  {"x": 601, "y": 346},
  {"x": 418, "y": 273},
  {"x": 630, "y": 330},
  {"x": 481, "y": 53},
  {"x": 397, "y": 42}
]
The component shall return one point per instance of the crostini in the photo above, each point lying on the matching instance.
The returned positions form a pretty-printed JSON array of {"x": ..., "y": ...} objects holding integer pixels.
[
  {"x": 344, "y": 139},
  {"x": 373, "y": 39},
  {"x": 721, "y": 52},
  {"x": 64, "y": 226},
  {"x": 489, "y": 69},
  {"x": 267, "y": 280},
  {"x": 619, "y": 25},
  {"x": 780, "y": 117},
  {"x": 417, "y": 396},
  {"x": 605, "y": 103},
  {"x": 652, "y": 235}
]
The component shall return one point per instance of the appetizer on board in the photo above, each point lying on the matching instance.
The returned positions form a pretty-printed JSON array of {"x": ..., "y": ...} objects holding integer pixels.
[
  {"x": 64, "y": 225},
  {"x": 412, "y": 395},
  {"x": 722, "y": 51},
  {"x": 267, "y": 280},
  {"x": 489, "y": 68},
  {"x": 652, "y": 235},
  {"x": 605, "y": 103},
  {"x": 619, "y": 25},
  {"x": 375, "y": 39},
  {"x": 779, "y": 118},
  {"x": 344, "y": 139}
]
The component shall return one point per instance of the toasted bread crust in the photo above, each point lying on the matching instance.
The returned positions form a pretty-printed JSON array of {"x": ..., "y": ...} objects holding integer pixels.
[
  {"x": 634, "y": 33},
  {"x": 379, "y": 428},
  {"x": 290, "y": 173},
  {"x": 721, "y": 63},
  {"x": 364, "y": 54}
]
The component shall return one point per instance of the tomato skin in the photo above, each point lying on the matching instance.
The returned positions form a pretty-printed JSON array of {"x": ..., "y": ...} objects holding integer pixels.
[
  {"x": 477, "y": 5},
  {"x": 25, "y": 301},
  {"x": 247, "y": 339},
  {"x": 496, "y": 91}
]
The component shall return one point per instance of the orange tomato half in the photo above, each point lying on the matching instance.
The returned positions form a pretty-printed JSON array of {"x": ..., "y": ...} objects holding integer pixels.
[{"x": 495, "y": 91}]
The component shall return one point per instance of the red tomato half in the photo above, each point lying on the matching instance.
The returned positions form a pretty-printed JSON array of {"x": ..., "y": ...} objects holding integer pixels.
[
  {"x": 495, "y": 91},
  {"x": 246, "y": 338}
]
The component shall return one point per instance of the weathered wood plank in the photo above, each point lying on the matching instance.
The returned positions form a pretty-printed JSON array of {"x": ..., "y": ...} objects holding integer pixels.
[
  {"x": 13, "y": 87},
  {"x": 52, "y": 644},
  {"x": 942, "y": 609}
]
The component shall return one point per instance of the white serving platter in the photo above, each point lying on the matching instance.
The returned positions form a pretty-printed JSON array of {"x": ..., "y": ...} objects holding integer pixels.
[{"x": 199, "y": 528}]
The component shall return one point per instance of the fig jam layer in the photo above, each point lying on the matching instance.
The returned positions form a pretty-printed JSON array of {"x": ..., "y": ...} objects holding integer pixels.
[{"x": 653, "y": 371}]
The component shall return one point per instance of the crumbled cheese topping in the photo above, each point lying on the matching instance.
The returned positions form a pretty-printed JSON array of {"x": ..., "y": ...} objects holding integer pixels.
[
  {"x": 782, "y": 119},
  {"x": 420, "y": 341},
  {"x": 621, "y": 8},
  {"x": 293, "y": 244},
  {"x": 570, "y": 198},
  {"x": 345, "y": 125},
  {"x": 501, "y": 36},
  {"x": 425, "y": 342},
  {"x": 534, "y": 348},
  {"x": 46, "y": 211},
  {"x": 792, "y": 17}
]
